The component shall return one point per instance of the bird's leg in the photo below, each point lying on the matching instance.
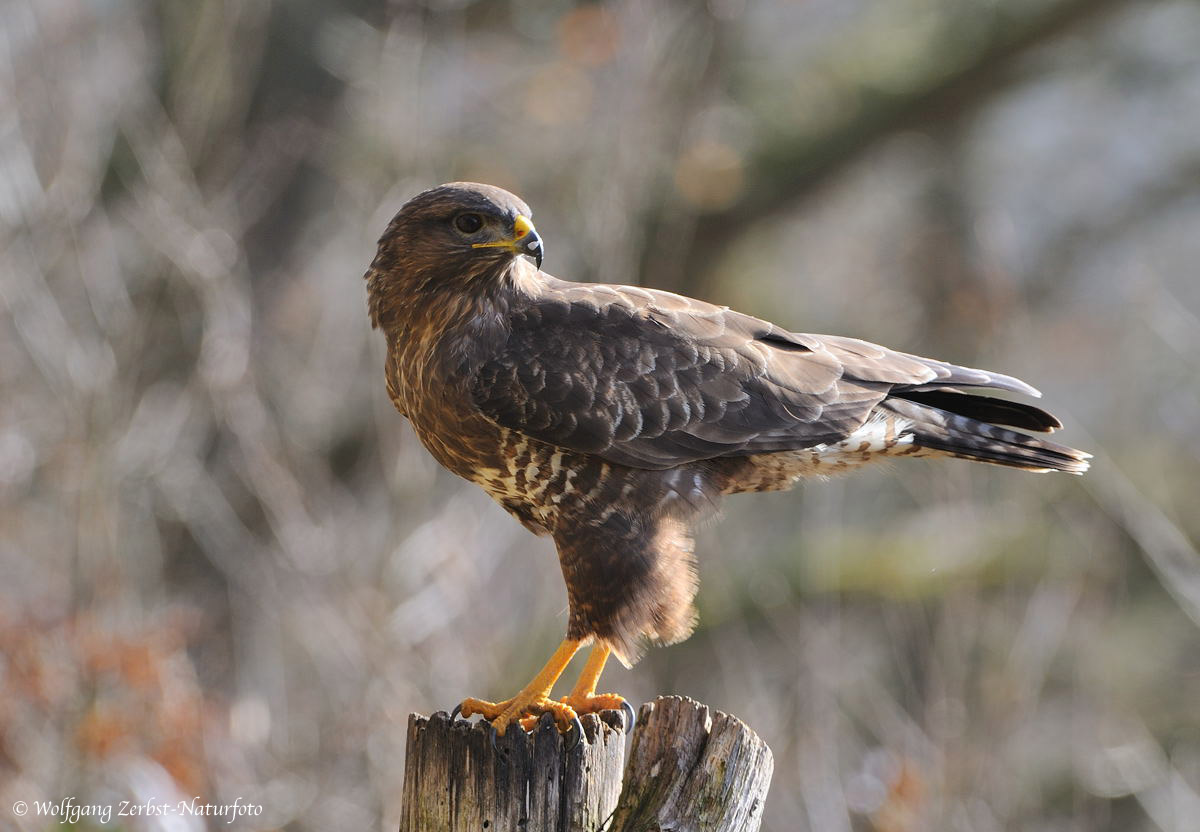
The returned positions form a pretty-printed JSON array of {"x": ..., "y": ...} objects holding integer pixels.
[
  {"x": 534, "y": 700},
  {"x": 583, "y": 698}
]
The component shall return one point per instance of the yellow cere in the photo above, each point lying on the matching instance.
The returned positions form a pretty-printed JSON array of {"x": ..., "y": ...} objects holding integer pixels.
[{"x": 521, "y": 226}]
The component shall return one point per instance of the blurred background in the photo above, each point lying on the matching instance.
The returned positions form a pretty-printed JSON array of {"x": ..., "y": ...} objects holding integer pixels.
[{"x": 229, "y": 569}]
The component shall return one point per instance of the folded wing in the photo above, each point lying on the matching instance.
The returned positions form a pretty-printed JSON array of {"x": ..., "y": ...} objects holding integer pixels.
[{"x": 654, "y": 380}]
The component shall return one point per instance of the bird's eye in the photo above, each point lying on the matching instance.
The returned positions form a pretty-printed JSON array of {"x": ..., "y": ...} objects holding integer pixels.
[{"x": 468, "y": 223}]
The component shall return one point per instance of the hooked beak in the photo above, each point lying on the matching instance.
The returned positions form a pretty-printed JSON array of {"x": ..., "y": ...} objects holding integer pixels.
[{"x": 525, "y": 240}]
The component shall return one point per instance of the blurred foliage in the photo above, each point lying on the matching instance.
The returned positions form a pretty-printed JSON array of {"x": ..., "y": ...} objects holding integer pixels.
[{"x": 230, "y": 570}]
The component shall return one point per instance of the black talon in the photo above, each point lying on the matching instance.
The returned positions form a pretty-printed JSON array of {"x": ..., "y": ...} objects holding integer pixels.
[
  {"x": 494, "y": 733},
  {"x": 575, "y": 734},
  {"x": 630, "y": 718}
]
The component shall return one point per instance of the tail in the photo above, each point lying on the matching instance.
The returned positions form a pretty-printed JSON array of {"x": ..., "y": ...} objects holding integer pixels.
[{"x": 968, "y": 426}]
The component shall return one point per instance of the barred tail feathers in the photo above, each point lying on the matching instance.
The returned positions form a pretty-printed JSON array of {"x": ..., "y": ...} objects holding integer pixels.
[{"x": 966, "y": 438}]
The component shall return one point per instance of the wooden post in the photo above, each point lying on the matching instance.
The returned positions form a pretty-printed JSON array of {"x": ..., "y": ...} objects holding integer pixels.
[
  {"x": 690, "y": 770},
  {"x": 455, "y": 780}
]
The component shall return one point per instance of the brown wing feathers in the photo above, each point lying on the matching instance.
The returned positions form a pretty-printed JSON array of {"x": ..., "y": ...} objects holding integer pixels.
[
  {"x": 658, "y": 384},
  {"x": 654, "y": 380}
]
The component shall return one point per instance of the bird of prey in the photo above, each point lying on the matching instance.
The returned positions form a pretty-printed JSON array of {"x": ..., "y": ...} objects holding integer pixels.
[{"x": 614, "y": 418}]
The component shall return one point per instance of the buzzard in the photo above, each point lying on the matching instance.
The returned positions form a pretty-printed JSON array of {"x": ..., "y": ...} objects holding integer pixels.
[{"x": 614, "y": 418}]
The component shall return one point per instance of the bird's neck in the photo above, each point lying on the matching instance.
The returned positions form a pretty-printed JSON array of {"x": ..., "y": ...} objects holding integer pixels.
[
  {"x": 403, "y": 297},
  {"x": 456, "y": 324}
]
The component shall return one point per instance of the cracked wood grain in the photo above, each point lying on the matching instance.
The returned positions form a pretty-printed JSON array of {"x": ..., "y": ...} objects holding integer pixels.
[{"x": 690, "y": 769}]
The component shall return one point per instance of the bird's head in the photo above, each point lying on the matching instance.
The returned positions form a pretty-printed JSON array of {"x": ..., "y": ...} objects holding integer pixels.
[{"x": 461, "y": 235}]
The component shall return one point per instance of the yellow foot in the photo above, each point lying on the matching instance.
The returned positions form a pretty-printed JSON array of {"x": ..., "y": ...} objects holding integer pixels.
[
  {"x": 528, "y": 706},
  {"x": 523, "y": 708},
  {"x": 584, "y": 699},
  {"x": 594, "y": 703},
  {"x": 534, "y": 700}
]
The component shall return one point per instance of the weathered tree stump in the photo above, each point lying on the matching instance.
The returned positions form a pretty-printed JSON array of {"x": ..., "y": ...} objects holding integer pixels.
[
  {"x": 692, "y": 771},
  {"x": 689, "y": 771},
  {"x": 455, "y": 780}
]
